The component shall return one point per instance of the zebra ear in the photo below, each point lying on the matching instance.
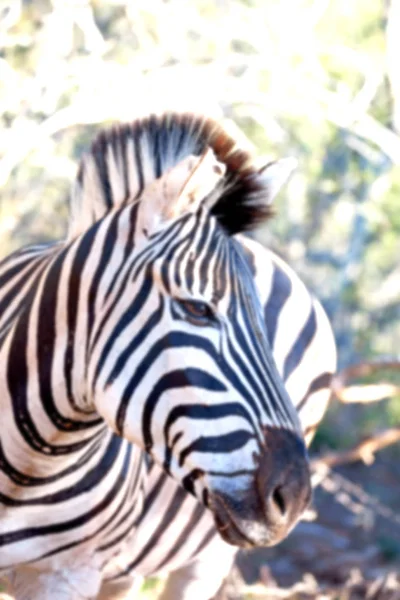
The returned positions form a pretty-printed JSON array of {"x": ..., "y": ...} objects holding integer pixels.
[
  {"x": 274, "y": 175},
  {"x": 180, "y": 190}
]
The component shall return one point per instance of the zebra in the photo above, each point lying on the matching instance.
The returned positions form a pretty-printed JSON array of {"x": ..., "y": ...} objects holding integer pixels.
[
  {"x": 185, "y": 547},
  {"x": 136, "y": 346}
]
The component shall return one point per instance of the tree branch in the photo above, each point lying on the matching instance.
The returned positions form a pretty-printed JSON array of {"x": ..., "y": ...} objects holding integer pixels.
[
  {"x": 367, "y": 393},
  {"x": 364, "y": 451}
]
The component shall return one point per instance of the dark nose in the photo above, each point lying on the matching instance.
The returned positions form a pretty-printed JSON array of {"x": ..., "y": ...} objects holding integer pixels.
[
  {"x": 265, "y": 512},
  {"x": 283, "y": 481}
]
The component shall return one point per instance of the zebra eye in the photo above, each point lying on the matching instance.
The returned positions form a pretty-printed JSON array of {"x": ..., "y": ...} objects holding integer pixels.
[{"x": 197, "y": 312}]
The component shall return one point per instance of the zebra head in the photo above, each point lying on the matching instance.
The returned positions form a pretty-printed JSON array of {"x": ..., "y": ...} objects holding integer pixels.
[{"x": 179, "y": 361}]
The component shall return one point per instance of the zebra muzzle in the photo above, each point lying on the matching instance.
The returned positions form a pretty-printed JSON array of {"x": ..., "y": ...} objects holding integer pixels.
[{"x": 277, "y": 495}]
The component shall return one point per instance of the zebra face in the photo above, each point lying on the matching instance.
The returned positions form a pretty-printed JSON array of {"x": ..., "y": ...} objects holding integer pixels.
[
  {"x": 229, "y": 431},
  {"x": 197, "y": 384},
  {"x": 189, "y": 374}
]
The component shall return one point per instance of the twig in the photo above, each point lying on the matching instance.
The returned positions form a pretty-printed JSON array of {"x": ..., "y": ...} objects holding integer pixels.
[
  {"x": 20, "y": 146},
  {"x": 344, "y": 114},
  {"x": 351, "y": 495},
  {"x": 364, "y": 451},
  {"x": 365, "y": 394},
  {"x": 369, "y": 392}
]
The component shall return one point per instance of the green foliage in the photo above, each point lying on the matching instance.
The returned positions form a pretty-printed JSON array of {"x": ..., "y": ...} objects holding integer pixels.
[
  {"x": 329, "y": 437},
  {"x": 393, "y": 411},
  {"x": 389, "y": 547},
  {"x": 151, "y": 588},
  {"x": 150, "y": 584}
]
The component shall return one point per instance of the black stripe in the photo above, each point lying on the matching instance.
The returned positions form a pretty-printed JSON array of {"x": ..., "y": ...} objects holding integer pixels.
[
  {"x": 136, "y": 341},
  {"x": 155, "y": 132},
  {"x": 171, "y": 339},
  {"x": 250, "y": 258},
  {"x": 191, "y": 269},
  {"x": 128, "y": 249},
  {"x": 172, "y": 254},
  {"x": 49, "y": 301},
  {"x": 159, "y": 244},
  {"x": 46, "y": 343},
  {"x": 82, "y": 540},
  {"x": 274, "y": 399},
  {"x": 180, "y": 259},
  {"x": 154, "y": 494},
  {"x": 186, "y": 533},
  {"x": 9, "y": 297},
  {"x": 201, "y": 412},
  {"x": 90, "y": 480},
  {"x": 137, "y": 133},
  {"x": 188, "y": 482},
  {"x": 105, "y": 254},
  {"x": 211, "y": 533},
  {"x": 99, "y": 153},
  {"x": 300, "y": 346},
  {"x": 13, "y": 537},
  {"x": 134, "y": 494},
  {"x": 221, "y": 444},
  {"x": 17, "y": 381},
  {"x": 22, "y": 479},
  {"x": 321, "y": 382},
  {"x": 154, "y": 539},
  {"x": 280, "y": 291},
  {"x": 203, "y": 267},
  {"x": 123, "y": 148},
  {"x": 190, "y": 377},
  {"x": 124, "y": 321},
  {"x": 18, "y": 308}
]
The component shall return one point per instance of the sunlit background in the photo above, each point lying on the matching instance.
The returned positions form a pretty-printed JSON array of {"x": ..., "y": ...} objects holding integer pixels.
[{"x": 315, "y": 79}]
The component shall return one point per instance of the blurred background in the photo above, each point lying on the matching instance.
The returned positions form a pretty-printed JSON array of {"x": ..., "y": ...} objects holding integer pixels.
[{"x": 315, "y": 79}]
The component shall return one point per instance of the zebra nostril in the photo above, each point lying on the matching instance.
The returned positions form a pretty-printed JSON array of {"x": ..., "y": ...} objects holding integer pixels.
[
  {"x": 279, "y": 500},
  {"x": 285, "y": 502},
  {"x": 283, "y": 481}
]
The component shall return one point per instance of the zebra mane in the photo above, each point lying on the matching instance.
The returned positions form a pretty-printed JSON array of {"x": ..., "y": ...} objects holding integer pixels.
[{"x": 125, "y": 159}]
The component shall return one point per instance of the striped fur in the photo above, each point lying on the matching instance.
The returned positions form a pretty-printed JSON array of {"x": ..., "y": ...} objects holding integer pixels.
[
  {"x": 176, "y": 534},
  {"x": 126, "y": 159},
  {"x": 135, "y": 307}
]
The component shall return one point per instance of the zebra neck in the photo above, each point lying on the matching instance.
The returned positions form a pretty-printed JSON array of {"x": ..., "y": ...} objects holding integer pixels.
[{"x": 38, "y": 388}]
